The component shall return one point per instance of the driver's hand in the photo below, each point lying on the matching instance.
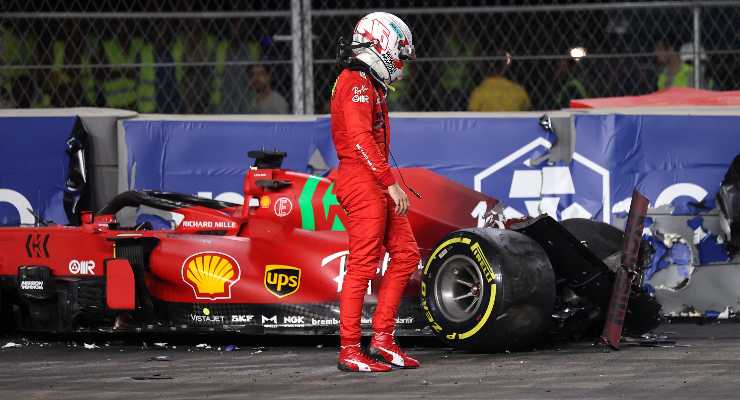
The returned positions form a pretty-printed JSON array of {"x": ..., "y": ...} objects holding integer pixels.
[{"x": 399, "y": 197}]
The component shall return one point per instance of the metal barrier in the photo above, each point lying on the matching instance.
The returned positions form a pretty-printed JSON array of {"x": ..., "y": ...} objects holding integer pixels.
[{"x": 221, "y": 56}]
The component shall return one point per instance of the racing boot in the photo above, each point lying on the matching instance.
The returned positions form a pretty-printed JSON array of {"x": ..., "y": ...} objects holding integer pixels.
[
  {"x": 352, "y": 359},
  {"x": 383, "y": 347}
]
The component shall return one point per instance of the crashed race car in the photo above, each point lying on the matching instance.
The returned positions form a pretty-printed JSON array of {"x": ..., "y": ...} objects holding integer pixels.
[{"x": 275, "y": 265}]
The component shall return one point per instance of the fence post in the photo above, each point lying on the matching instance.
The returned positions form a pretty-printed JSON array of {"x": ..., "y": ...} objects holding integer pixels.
[
  {"x": 697, "y": 48},
  {"x": 308, "y": 58},
  {"x": 296, "y": 34}
]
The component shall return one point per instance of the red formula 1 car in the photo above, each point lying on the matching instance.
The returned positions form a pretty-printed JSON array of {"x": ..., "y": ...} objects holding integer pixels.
[{"x": 276, "y": 265}]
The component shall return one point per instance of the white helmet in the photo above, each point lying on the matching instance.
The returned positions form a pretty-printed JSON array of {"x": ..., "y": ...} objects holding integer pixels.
[{"x": 388, "y": 44}]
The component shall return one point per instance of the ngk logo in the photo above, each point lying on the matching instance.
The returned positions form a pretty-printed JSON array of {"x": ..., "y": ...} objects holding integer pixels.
[
  {"x": 294, "y": 319},
  {"x": 85, "y": 267}
]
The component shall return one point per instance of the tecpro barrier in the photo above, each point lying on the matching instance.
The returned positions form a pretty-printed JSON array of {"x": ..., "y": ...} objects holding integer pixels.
[
  {"x": 675, "y": 160},
  {"x": 209, "y": 158},
  {"x": 40, "y": 172}
]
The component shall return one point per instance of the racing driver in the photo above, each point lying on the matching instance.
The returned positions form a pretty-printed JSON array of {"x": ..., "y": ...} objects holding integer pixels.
[{"x": 375, "y": 204}]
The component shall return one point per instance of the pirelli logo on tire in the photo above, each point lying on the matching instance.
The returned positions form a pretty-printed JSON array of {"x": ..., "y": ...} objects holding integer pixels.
[
  {"x": 479, "y": 291},
  {"x": 483, "y": 262}
]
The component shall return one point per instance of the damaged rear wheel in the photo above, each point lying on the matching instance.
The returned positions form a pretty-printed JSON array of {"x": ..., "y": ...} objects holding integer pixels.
[
  {"x": 606, "y": 241},
  {"x": 488, "y": 290}
]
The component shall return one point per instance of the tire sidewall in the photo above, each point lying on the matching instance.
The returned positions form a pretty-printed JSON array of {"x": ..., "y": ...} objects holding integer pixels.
[{"x": 483, "y": 258}]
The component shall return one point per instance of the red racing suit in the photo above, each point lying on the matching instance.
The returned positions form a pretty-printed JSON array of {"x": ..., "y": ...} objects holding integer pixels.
[{"x": 361, "y": 131}]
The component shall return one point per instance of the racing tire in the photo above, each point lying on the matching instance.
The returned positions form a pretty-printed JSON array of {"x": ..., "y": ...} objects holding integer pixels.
[
  {"x": 488, "y": 290},
  {"x": 605, "y": 241}
]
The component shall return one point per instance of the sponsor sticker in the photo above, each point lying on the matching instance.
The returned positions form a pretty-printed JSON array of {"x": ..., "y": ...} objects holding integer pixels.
[
  {"x": 265, "y": 201},
  {"x": 282, "y": 280},
  {"x": 359, "y": 94},
  {"x": 283, "y": 207},
  {"x": 272, "y": 319},
  {"x": 211, "y": 275},
  {"x": 209, "y": 224},
  {"x": 358, "y": 98},
  {"x": 84, "y": 267},
  {"x": 296, "y": 320},
  {"x": 206, "y": 317},
  {"x": 324, "y": 322},
  {"x": 242, "y": 319},
  {"x": 37, "y": 245},
  {"x": 364, "y": 155},
  {"x": 32, "y": 285},
  {"x": 359, "y": 90}
]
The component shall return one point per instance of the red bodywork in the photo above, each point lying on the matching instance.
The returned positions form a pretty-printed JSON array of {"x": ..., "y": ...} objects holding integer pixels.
[{"x": 284, "y": 246}]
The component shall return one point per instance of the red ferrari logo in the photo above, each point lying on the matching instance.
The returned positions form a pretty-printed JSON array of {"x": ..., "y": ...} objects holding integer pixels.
[{"x": 211, "y": 275}]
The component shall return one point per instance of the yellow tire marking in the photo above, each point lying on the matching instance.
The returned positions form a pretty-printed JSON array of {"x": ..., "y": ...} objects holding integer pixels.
[
  {"x": 438, "y": 249},
  {"x": 483, "y": 320}
]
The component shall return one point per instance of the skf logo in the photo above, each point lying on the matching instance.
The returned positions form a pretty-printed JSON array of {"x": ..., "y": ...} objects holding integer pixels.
[
  {"x": 282, "y": 280},
  {"x": 211, "y": 275},
  {"x": 241, "y": 319},
  {"x": 84, "y": 267}
]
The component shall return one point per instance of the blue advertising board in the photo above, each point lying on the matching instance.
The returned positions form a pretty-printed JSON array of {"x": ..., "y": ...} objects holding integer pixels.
[
  {"x": 677, "y": 160},
  {"x": 34, "y": 167},
  {"x": 209, "y": 158}
]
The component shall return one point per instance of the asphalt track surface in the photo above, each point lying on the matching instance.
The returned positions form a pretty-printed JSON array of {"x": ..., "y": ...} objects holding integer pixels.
[{"x": 703, "y": 364}]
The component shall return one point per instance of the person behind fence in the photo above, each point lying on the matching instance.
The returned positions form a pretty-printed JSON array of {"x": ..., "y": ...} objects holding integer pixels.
[
  {"x": 677, "y": 67},
  {"x": 567, "y": 74},
  {"x": 498, "y": 92},
  {"x": 70, "y": 82},
  {"x": 242, "y": 48},
  {"x": 366, "y": 189},
  {"x": 266, "y": 99},
  {"x": 455, "y": 76},
  {"x": 119, "y": 80},
  {"x": 18, "y": 49}
]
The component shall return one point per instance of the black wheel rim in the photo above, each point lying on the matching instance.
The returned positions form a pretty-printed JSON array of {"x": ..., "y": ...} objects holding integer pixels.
[{"x": 458, "y": 287}]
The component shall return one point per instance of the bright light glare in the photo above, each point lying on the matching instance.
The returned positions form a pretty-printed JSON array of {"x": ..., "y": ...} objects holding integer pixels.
[{"x": 577, "y": 52}]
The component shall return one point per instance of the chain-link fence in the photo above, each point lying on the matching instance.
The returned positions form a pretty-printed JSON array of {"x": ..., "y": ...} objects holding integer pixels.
[
  {"x": 166, "y": 57},
  {"x": 278, "y": 56}
]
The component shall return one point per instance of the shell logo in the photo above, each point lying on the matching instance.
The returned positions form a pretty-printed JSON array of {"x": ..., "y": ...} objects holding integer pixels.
[
  {"x": 265, "y": 202},
  {"x": 211, "y": 275}
]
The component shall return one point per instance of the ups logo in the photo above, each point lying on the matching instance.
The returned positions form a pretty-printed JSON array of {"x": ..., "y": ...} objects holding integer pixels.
[{"x": 282, "y": 280}]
